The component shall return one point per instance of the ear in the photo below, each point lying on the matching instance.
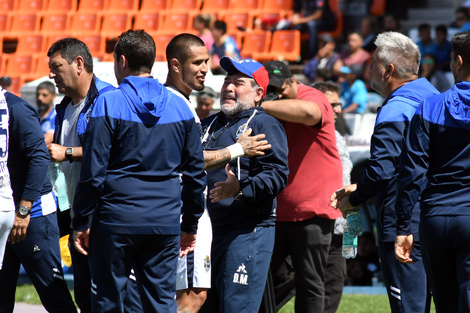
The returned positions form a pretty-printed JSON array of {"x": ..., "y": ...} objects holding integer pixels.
[
  {"x": 259, "y": 94},
  {"x": 80, "y": 63},
  {"x": 174, "y": 63},
  {"x": 389, "y": 70},
  {"x": 459, "y": 62}
]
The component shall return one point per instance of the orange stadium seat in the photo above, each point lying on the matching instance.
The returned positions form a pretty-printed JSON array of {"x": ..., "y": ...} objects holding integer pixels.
[
  {"x": 154, "y": 5},
  {"x": 30, "y": 44},
  {"x": 54, "y": 23},
  {"x": 16, "y": 82},
  {"x": 94, "y": 6},
  {"x": 31, "y": 5},
  {"x": 236, "y": 21},
  {"x": 114, "y": 24},
  {"x": 255, "y": 42},
  {"x": 172, "y": 21},
  {"x": 18, "y": 65},
  {"x": 1, "y": 51},
  {"x": 85, "y": 23},
  {"x": 284, "y": 7},
  {"x": 50, "y": 39},
  {"x": 61, "y": 6},
  {"x": 147, "y": 21},
  {"x": 7, "y": 5},
  {"x": 118, "y": 6},
  {"x": 252, "y": 5},
  {"x": 338, "y": 31},
  {"x": 95, "y": 43},
  {"x": 214, "y": 6},
  {"x": 4, "y": 22},
  {"x": 24, "y": 23},
  {"x": 186, "y": 5},
  {"x": 161, "y": 41},
  {"x": 285, "y": 45},
  {"x": 41, "y": 67}
]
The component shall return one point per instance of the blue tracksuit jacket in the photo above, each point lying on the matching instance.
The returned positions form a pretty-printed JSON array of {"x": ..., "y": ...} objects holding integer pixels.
[
  {"x": 388, "y": 139},
  {"x": 28, "y": 157},
  {"x": 261, "y": 178},
  {"x": 97, "y": 87},
  {"x": 139, "y": 138},
  {"x": 438, "y": 148}
]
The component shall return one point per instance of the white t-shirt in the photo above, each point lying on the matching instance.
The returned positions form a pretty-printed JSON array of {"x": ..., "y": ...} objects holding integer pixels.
[
  {"x": 6, "y": 195},
  {"x": 69, "y": 138}
]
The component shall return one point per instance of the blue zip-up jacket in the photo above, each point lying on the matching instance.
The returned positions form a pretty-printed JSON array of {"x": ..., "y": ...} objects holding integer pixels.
[
  {"x": 97, "y": 87},
  {"x": 388, "y": 139},
  {"x": 438, "y": 148},
  {"x": 261, "y": 178},
  {"x": 139, "y": 139},
  {"x": 28, "y": 157}
]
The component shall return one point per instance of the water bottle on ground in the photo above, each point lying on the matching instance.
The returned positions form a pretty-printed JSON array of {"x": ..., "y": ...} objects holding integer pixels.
[
  {"x": 58, "y": 185},
  {"x": 349, "y": 244},
  {"x": 354, "y": 223}
]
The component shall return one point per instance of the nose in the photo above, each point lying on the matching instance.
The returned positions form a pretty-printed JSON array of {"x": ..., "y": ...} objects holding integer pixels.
[{"x": 51, "y": 74}]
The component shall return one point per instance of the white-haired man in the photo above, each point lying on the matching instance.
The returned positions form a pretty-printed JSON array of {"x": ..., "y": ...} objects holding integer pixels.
[{"x": 394, "y": 73}]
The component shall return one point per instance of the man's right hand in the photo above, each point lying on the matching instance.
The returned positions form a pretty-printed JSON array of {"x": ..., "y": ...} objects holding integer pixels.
[
  {"x": 57, "y": 152},
  {"x": 253, "y": 145}
]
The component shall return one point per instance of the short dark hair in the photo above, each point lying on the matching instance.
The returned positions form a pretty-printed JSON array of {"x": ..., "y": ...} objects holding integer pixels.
[
  {"x": 70, "y": 48},
  {"x": 441, "y": 28},
  {"x": 463, "y": 11},
  {"x": 460, "y": 43},
  {"x": 48, "y": 86},
  {"x": 139, "y": 49},
  {"x": 424, "y": 26},
  {"x": 178, "y": 46},
  {"x": 327, "y": 86},
  {"x": 221, "y": 25}
]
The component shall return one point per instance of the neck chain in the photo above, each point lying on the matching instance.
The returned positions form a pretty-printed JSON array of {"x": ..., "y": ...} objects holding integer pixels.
[{"x": 212, "y": 135}]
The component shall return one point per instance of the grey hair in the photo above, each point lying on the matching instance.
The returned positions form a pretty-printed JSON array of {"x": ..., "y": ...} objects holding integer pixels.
[{"x": 399, "y": 50}]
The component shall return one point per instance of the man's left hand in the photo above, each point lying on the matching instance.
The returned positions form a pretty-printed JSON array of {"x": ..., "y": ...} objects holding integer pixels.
[
  {"x": 18, "y": 232},
  {"x": 81, "y": 240},
  {"x": 187, "y": 243},
  {"x": 226, "y": 189}
]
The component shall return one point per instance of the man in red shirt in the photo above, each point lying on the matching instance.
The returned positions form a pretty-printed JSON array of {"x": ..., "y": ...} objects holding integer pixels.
[{"x": 305, "y": 219}]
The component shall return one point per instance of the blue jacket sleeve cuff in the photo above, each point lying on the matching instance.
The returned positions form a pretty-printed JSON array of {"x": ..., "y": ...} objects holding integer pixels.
[{"x": 404, "y": 227}]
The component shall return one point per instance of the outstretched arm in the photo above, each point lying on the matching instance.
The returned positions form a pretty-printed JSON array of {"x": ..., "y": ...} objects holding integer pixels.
[
  {"x": 251, "y": 146},
  {"x": 294, "y": 110}
]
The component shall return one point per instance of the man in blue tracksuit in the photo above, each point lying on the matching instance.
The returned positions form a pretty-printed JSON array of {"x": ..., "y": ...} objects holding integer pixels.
[
  {"x": 242, "y": 203},
  {"x": 34, "y": 240},
  {"x": 394, "y": 70},
  {"x": 71, "y": 66},
  {"x": 438, "y": 148},
  {"x": 139, "y": 139}
]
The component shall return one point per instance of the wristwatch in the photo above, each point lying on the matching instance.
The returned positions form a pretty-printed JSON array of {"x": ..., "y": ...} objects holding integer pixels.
[
  {"x": 23, "y": 211},
  {"x": 68, "y": 154},
  {"x": 239, "y": 195}
]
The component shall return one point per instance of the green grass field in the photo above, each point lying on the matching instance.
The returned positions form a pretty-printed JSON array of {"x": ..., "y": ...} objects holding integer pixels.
[{"x": 349, "y": 303}]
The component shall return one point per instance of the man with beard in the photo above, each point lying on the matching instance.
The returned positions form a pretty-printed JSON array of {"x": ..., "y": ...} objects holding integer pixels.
[
  {"x": 188, "y": 59},
  {"x": 45, "y": 95},
  {"x": 394, "y": 73},
  {"x": 242, "y": 206}
]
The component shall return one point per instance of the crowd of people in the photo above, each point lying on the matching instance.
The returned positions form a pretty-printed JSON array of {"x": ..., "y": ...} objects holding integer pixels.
[{"x": 175, "y": 207}]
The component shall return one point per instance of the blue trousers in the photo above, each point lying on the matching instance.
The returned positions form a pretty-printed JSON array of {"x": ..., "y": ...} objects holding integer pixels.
[
  {"x": 154, "y": 258},
  {"x": 240, "y": 264},
  {"x": 39, "y": 253},
  {"x": 446, "y": 255},
  {"x": 406, "y": 283}
]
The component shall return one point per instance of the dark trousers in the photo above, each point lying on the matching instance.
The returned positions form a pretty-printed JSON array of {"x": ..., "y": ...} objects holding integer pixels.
[
  {"x": 307, "y": 242},
  {"x": 154, "y": 258},
  {"x": 406, "y": 283},
  {"x": 335, "y": 273},
  {"x": 39, "y": 253}
]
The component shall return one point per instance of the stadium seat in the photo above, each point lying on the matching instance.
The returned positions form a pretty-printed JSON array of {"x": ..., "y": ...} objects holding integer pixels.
[
  {"x": 236, "y": 21},
  {"x": 51, "y": 38},
  {"x": 41, "y": 67},
  {"x": 154, "y": 5},
  {"x": 114, "y": 24},
  {"x": 255, "y": 42},
  {"x": 119, "y": 6},
  {"x": 52, "y": 23},
  {"x": 29, "y": 6},
  {"x": 23, "y": 23},
  {"x": 161, "y": 41},
  {"x": 173, "y": 21},
  {"x": 30, "y": 44},
  {"x": 95, "y": 43},
  {"x": 214, "y": 6},
  {"x": 377, "y": 7},
  {"x": 284, "y": 7},
  {"x": 285, "y": 45},
  {"x": 94, "y": 6},
  {"x": 17, "y": 81},
  {"x": 186, "y": 5},
  {"x": 252, "y": 5},
  {"x": 147, "y": 21},
  {"x": 4, "y": 22},
  {"x": 61, "y": 6},
  {"x": 7, "y": 5},
  {"x": 18, "y": 65},
  {"x": 336, "y": 10},
  {"x": 85, "y": 23}
]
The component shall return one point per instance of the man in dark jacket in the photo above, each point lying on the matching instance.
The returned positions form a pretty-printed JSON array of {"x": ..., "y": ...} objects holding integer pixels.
[{"x": 394, "y": 73}]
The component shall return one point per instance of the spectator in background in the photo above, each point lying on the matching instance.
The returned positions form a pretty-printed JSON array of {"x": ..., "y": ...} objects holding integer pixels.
[
  {"x": 354, "y": 91},
  {"x": 205, "y": 100},
  {"x": 426, "y": 45},
  {"x": 462, "y": 19},
  {"x": 391, "y": 23},
  {"x": 369, "y": 31},
  {"x": 326, "y": 64},
  {"x": 224, "y": 45},
  {"x": 45, "y": 95},
  {"x": 5, "y": 83},
  {"x": 435, "y": 76},
  {"x": 202, "y": 24},
  {"x": 355, "y": 54},
  {"x": 443, "y": 48}
]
